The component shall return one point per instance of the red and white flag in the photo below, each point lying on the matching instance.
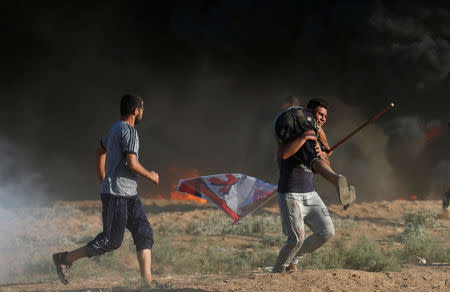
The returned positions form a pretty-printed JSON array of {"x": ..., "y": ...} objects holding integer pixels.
[{"x": 235, "y": 194}]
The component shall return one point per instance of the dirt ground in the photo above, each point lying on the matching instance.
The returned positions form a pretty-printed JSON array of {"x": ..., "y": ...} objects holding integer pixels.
[{"x": 379, "y": 220}]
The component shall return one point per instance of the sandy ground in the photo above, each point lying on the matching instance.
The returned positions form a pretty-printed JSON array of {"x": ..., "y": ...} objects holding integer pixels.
[{"x": 379, "y": 220}]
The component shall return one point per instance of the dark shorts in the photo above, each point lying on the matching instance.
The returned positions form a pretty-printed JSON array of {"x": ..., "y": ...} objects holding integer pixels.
[{"x": 120, "y": 213}]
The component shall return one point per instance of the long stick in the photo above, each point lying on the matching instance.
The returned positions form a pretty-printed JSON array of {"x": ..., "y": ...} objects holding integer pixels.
[
  {"x": 391, "y": 105},
  {"x": 248, "y": 212}
]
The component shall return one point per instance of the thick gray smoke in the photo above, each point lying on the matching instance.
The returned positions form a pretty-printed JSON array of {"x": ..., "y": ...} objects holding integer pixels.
[
  {"x": 364, "y": 157},
  {"x": 21, "y": 181},
  {"x": 21, "y": 184},
  {"x": 213, "y": 76},
  {"x": 420, "y": 40}
]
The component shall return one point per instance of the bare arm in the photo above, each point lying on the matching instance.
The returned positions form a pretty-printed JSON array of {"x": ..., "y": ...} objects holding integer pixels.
[
  {"x": 321, "y": 154},
  {"x": 135, "y": 166},
  {"x": 323, "y": 140},
  {"x": 100, "y": 161},
  {"x": 287, "y": 150}
]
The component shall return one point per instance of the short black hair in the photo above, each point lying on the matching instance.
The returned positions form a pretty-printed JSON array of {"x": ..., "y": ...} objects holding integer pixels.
[
  {"x": 129, "y": 102},
  {"x": 315, "y": 102}
]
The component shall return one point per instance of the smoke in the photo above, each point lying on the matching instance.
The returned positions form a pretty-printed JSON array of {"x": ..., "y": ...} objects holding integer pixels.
[
  {"x": 21, "y": 182},
  {"x": 420, "y": 151},
  {"x": 420, "y": 40},
  {"x": 21, "y": 185},
  {"x": 213, "y": 76},
  {"x": 363, "y": 159}
]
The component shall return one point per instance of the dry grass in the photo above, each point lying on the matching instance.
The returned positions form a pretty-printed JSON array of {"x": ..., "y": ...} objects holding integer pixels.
[{"x": 200, "y": 246}]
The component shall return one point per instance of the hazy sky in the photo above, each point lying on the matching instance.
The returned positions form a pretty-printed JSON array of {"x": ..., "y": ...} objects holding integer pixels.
[{"x": 213, "y": 75}]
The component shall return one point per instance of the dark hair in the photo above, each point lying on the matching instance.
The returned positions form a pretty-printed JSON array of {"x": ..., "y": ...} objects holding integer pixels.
[
  {"x": 129, "y": 102},
  {"x": 315, "y": 102}
]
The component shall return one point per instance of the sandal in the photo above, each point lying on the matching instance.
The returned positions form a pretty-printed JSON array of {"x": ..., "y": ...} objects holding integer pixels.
[{"x": 62, "y": 267}]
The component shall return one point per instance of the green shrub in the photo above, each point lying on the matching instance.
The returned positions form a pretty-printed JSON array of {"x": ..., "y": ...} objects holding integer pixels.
[
  {"x": 423, "y": 217},
  {"x": 217, "y": 260},
  {"x": 417, "y": 243},
  {"x": 328, "y": 258},
  {"x": 362, "y": 255},
  {"x": 220, "y": 224},
  {"x": 342, "y": 223},
  {"x": 260, "y": 224},
  {"x": 273, "y": 240},
  {"x": 210, "y": 226},
  {"x": 261, "y": 256},
  {"x": 368, "y": 256}
]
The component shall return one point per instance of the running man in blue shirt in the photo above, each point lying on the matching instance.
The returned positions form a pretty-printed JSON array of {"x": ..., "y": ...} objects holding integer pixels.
[{"x": 122, "y": 208}]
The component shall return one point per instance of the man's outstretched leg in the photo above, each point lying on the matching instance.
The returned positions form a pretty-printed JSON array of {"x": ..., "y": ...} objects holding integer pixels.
[
  {"x": 347, "y": 194},
  {"x": 145, "y": 262}
]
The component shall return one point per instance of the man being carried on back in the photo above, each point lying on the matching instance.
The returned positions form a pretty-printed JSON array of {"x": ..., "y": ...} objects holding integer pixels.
[{"x": 299, "y": 157}]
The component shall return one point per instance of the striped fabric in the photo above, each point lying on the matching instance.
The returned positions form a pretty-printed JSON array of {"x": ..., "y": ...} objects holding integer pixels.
[{"x": 122, "y": 138}]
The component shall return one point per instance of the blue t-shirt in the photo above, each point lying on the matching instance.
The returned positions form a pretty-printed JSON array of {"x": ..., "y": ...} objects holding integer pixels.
[{"x": 119, "y": 180}]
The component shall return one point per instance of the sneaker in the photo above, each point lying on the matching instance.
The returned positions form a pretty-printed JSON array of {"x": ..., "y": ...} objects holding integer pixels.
[{"x": 62, "y": 267}]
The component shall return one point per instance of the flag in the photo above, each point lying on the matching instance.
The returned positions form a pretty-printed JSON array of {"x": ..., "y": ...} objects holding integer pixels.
[{"x": 237, "y": 195}]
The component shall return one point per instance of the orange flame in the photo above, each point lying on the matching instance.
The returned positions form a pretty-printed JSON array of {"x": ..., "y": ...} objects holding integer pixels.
[
  {"x": 176, "y": 175},
  {"x": 413, "y": 197}
]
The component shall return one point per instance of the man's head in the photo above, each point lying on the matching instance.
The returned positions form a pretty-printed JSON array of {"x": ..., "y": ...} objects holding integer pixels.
[
  {"x": 290, "y": 101},
  {"x": 132, "y": 105},
  {"x": 319, "y": 108}
]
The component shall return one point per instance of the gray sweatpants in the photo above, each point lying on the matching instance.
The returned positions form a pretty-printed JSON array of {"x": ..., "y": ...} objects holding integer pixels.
[{"x": 297, "y": 209}]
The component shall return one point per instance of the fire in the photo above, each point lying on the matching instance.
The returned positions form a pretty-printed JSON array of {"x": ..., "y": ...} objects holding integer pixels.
[
  {"x": 176, "y": 175},
  {"x": 413, "y": 197}
]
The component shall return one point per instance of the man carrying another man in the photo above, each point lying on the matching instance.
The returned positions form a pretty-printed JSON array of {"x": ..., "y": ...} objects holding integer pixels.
[{"x": 299, "y": 157}]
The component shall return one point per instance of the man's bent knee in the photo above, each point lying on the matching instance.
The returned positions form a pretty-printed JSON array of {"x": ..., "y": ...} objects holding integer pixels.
[
  {"x": 326, "y": 234},
  {"x": 99, "y": 248},
  {"x": 114, "y": 245}
]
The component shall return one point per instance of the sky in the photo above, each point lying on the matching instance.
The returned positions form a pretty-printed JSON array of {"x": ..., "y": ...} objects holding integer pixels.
[{"x": 213, "y": 75}]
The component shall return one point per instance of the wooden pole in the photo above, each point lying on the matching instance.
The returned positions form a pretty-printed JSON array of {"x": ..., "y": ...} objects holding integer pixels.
[{"x": 391, "y": 105}]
